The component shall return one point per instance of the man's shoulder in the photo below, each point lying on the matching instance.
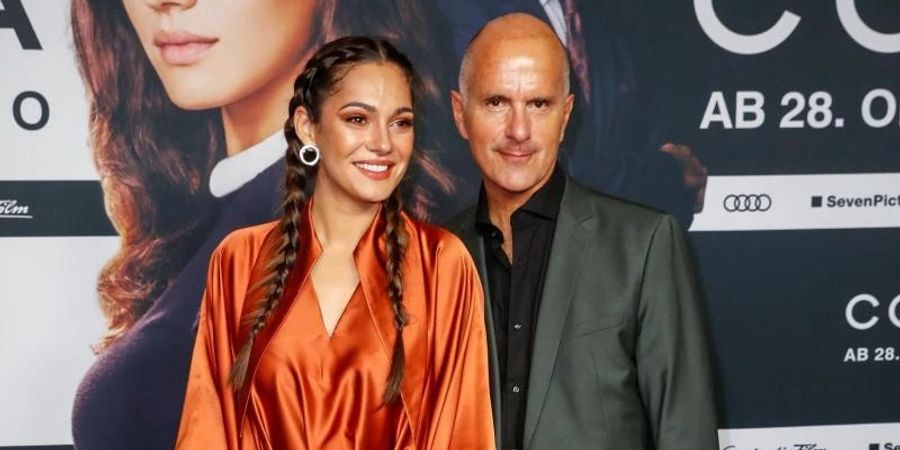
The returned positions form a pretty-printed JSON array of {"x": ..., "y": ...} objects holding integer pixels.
[{"x": 613, "y": 213}]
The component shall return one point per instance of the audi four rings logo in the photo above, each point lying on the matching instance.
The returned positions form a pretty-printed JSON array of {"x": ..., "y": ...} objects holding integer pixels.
[{"x": 747, "y": 202}]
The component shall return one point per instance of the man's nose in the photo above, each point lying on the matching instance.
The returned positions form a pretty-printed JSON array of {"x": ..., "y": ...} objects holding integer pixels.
[{"x": 519, "y": 126}]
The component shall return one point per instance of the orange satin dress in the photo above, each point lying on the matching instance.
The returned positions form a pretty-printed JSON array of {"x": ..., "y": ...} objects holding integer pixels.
[{"x": 306, "y": 390}]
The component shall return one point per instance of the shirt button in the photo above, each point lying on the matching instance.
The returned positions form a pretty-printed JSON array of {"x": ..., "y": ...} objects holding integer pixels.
[
  {"x": 517, "y": 326},
  {"x": 516, "y": 389}
]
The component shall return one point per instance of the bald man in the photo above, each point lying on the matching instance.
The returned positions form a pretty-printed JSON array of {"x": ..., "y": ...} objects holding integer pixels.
[
  {"x": 621, "y": 139},
  {"x": 594, "y": 317}
]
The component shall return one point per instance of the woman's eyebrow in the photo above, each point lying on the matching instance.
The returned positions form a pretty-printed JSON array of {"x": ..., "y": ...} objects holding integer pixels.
[{"x": 362, "y": 105}]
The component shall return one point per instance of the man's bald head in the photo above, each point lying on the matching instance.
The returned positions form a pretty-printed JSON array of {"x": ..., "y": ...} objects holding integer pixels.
[
  {"x": 516, "y": 79},
  {"x": 511, "y": 35}
]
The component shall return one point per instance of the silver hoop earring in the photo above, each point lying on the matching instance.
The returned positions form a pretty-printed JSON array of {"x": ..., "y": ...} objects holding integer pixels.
[{"x": 309, "y": 154}]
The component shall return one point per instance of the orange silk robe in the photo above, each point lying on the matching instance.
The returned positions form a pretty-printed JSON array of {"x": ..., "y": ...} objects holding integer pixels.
[{"x": 305, "y": 390}]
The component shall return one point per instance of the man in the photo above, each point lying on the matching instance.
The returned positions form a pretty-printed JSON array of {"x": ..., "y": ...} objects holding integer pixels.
[
  {"x": 619, "y": 140},
  {"x": 594, "y": 321}
]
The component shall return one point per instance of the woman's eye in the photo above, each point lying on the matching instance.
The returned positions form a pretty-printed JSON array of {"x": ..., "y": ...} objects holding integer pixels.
[
  {"x": 357, "y": 120},
  {"x": 404, "y": 123}
]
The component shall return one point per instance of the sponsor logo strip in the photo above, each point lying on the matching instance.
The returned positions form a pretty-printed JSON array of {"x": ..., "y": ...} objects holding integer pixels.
[{"x": 800, "y": 202}]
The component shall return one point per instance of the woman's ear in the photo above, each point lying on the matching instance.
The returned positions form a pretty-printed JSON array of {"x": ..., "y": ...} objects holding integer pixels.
[{"x": 303, "y": 126}]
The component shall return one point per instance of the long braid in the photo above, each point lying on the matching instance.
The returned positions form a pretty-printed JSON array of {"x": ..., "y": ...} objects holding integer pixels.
[
  {"x": 396, "y": 248},
  {"x": 286, "y": 253},
  {"x": 318, "y": 80}
]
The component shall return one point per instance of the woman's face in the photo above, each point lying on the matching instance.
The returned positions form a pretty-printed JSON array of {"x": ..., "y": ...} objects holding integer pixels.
[
  {"x": 211, "y": 53},
  {"x": 365, "y": 134}
]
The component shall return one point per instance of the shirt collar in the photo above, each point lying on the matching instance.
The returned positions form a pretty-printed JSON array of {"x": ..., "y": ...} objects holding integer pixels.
[
  {"x": 544, "y": 202},
  {"x": 233, "y": 172}
]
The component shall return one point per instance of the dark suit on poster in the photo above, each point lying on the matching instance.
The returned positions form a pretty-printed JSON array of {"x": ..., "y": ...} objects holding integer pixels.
[
  {"x": 619, "y": 356},
  {"x": 613, "y": 139}
]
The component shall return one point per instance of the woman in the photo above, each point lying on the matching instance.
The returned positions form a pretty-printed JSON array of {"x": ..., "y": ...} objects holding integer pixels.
[
  {"x": 345, "y": 324},
  {"x": 187, "y": 111}
]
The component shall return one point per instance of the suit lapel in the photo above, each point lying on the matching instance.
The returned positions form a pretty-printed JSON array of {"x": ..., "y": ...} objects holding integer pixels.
[
  {"x": 475, "y": 244},
  {"x": 571, "y": 240}
]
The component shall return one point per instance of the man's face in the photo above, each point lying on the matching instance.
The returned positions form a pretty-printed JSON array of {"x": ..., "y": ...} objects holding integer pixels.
[{"x": 514, "y": 112}]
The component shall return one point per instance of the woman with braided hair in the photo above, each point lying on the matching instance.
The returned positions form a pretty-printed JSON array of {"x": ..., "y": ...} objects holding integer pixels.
[{"x": 346, "y": 324}]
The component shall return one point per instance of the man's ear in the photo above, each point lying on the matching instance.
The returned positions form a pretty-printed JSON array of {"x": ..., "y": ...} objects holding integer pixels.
[
  {"x": 303, "y": 126},
  {"x": 456, "y": 101}
]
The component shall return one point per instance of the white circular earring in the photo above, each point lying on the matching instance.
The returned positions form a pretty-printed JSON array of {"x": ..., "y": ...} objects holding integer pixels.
[{"x": 309, "y": 154}]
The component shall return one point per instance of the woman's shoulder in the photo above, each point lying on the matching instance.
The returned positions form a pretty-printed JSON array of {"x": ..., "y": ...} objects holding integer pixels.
[
  {"x": 231, "y": 267},
  {"x": 247, "y": 239}
]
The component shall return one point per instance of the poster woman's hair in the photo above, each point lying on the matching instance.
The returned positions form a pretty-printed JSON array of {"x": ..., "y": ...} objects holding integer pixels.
[{"x": 154, "y": 159}]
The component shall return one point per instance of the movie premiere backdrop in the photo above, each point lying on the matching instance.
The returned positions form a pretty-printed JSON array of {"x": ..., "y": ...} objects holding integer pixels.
[{"x": 770, "y": 129}]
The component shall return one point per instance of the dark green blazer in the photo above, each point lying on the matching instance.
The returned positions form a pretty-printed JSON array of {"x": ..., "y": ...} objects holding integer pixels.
[{"x": 620, "y": 358}]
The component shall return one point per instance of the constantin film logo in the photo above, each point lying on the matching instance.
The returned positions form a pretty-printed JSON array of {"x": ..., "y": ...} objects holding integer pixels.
[
  {"x": 11, "y": 209},
  {"x": 747, "y": 203}
]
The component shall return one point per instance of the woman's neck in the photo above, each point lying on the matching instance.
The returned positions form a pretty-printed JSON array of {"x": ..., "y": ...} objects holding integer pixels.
[{"x": 339, "y": 223}]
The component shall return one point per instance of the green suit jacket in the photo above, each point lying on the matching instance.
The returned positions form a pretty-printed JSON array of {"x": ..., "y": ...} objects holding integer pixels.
[{"x": 620, "y": 358}]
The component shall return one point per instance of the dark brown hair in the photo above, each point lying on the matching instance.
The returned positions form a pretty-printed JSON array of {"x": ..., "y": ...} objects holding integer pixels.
[
  {"x": 316, "y": 83},
  {"x": 154, "y": 158}
]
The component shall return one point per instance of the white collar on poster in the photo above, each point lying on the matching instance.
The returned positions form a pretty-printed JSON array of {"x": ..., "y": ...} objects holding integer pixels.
[
  {"x": 235, "y": 171},
  {"x": 557, "y": 17}
]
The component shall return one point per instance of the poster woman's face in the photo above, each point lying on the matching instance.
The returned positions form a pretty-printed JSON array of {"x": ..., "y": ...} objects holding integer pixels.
[{"x": 211, "y": 53}]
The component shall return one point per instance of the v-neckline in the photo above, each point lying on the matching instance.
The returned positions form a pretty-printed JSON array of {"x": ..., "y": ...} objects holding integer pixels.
[{"x": 315, "y": 298}]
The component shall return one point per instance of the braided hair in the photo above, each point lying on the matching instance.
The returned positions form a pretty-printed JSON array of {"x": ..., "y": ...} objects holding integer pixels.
[{"x": 311, "y": 88}]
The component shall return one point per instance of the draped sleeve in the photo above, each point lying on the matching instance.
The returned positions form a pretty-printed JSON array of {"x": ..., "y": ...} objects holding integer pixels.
[
  {"x": 457, "y": 408},
  {"x": 208, "y": 417}
]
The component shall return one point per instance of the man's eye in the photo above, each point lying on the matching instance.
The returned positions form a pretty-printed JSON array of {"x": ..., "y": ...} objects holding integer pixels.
[
  {"x": 540, "y": 104},
  {"x": 494, "y": 101}
]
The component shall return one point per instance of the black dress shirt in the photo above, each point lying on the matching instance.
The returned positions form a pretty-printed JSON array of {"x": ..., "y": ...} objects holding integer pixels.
[{"x": 515, "y": 293}]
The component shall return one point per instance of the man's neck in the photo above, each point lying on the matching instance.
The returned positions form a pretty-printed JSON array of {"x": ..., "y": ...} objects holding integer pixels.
[{"x": 502, "y": 204}]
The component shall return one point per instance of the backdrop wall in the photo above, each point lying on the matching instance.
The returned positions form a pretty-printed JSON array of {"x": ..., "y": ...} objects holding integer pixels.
[{"x": 770, "y": 129}]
